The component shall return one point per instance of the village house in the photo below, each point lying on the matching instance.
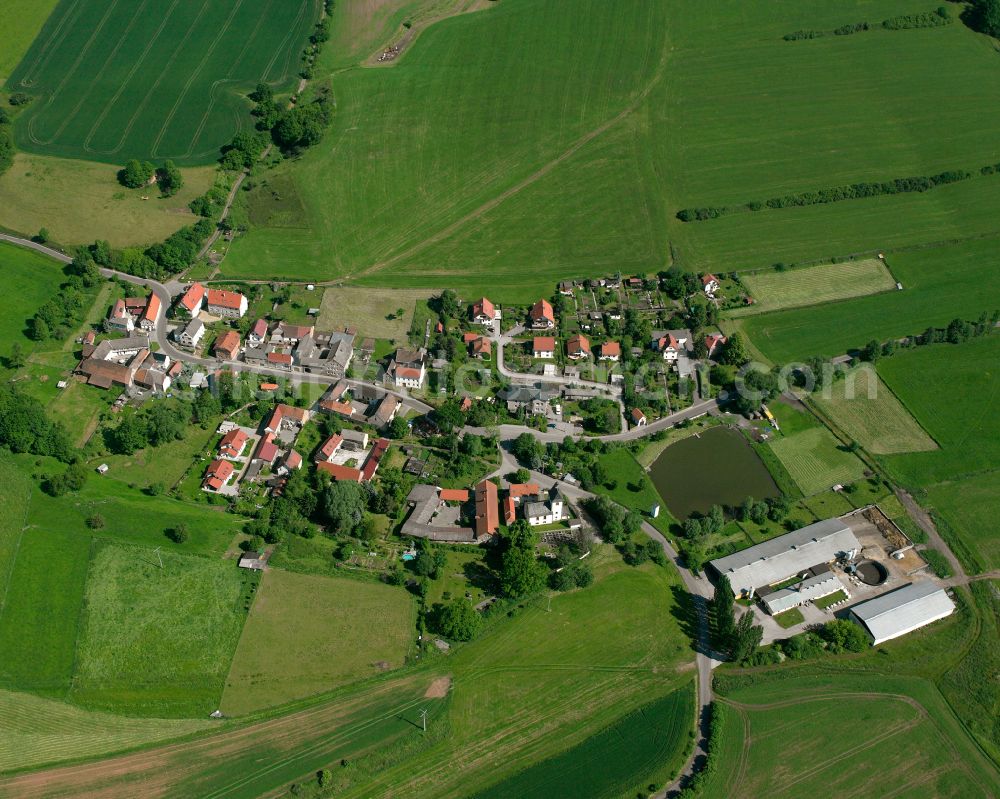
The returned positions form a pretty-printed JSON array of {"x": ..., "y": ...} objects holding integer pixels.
[
  {"x": 713, "y": 341},
  {"x": 355, "y": 440},
  {"x": 518, "y": 491},
  {"x": 119, "y": 319},
  {"x": 219, "y": 473},
  {"x": 338, "y": 407},
  {"x": 285, "y": 333},
  {"x": 578, "y": 347},
  {"x": 257, "y": 334},
  {"x": 341, "y": 473},
  {"x": 487, "y": 518},
  {"x": 543, "y": 347},
  {"x": 671, "y": 344},
  {"x": 638, "y": 418},
  {"x": 480, "y": 347},
  {"x": 329, "y": 449},
  {"x": 286, "y": 417},
  {"x": 386, "y": 411},
  {"x": 290, "y": 463},
  {"x": 540, "y": 511},
  {"x": 710, "y": 283},
  {"x": 232, "y": 444},
  {"x": 374, "y": 459},
  {"x": 227, "y": 346},
  {"x": 279, "y": 360},
  {"x": 192, "y": 333},
  {"x": 509, "y": 511},
  {"x": 227, "y": 304},
  {"x": 328, "y": 354},
  {"x": 408, "y": 368},
  {"x": 150, "y": 314},
  {"x": 611, "y": 351},
  {"x": 542, "y": 316},
  {"x": 123, "y": 362},
  {"x": 267, "y": 449},
  {"x": 192, "y": 300},
  {"x": 566, "y": 288},
  {"x": 483, "y": 312}
]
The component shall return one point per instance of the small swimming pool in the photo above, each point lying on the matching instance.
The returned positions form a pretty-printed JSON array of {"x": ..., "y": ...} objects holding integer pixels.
[{"x": 408, "y": 556}]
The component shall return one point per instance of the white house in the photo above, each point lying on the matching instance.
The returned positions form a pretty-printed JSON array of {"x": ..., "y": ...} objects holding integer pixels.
[
  {"x": 710, "y": 284},
  {"x": 408, "y": 368},
  {"x": 227, "y": 304},
  {"x": 544, "y": 347},
  {"x": 193, "y": 333},
  {"x": 539, "y": 511},
  {"x": 119, "y": 320}
]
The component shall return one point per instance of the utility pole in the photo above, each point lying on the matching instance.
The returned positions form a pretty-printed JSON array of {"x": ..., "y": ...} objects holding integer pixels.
[{"x": 423, "y": 719}]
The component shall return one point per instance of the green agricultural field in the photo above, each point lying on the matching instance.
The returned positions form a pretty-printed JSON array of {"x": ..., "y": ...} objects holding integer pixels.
[
  {"x": 953, "y": 391},
  {"x": 863, "y": 407},
  {"x": 939, "y": 283},
  {"x": 809, "y": 452},
  {"x": 307, "y": 634},
  {"x": 69, "y": 733},
  {"x": 640, "y": 748},
  {"x": 969, "y": 508},
  {"x": 157, "y": 641},
  {"x": 32, "y": 279},
  {"x": 504, "y": 203},
  {"x": 20, "y": 21},
  {"x": 15, "y": 494},
  {"x": 114, "y": 82},
  {"x": 38, "y": 625},
  {"x": 815, "y": 285},
  {"x": 792, "y": 738},
  {"x": 79, "y": 201}
]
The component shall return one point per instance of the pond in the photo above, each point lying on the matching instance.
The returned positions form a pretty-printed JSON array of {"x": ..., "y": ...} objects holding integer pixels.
[{"x": 717, "y": 467}]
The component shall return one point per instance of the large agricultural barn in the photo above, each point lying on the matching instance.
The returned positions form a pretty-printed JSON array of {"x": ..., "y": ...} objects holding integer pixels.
[
  {"x": 902, "y": 611},
  {"x": 774, "y": 561}
]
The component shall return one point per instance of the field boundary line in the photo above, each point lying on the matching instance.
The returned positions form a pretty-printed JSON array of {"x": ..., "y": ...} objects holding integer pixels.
[
  {"x": 908, "y": 410},
  {"x": 68, "y": 117},
  {"x": 128, "y": 78},
  {"x": 80, "y": 616},
  {"x": 531, "y": 179},
  {"x": 159, "y": 78},
  {"x": 69, "y": 74},
  {"x": 43, "y": 57},
  {"x": 193, "y": 76}
]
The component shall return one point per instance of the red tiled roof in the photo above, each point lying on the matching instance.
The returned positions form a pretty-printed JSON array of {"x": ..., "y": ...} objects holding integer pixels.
[
  {"x": 611, "y": 349},
  {"x": 279, "y": 357},
  {"x": 219, "y": 471},
  {"x": 295, "y": 331},
  {"x": 225, "y": 299},
  {"x": 487, "y": 509},
  {"x": 267, "y": 450},
  {"x": 669, "y": 341},
  {"x": 281, "y": 411},
  {"x": 152, "y": 309},
  {"x": 371, "y": 465},
  {"x": 543, "y": 310},
  {"x": 482, "y": 346},
  {"x": 454, "y": 495},
  {"x": 466, "y": 403},
  {"x": 408, "y": 372},
  {"x": 468, "y": 338},
  {"x": 193, "y": 296},
  {"x": 233, "y": 442},
  {"x": 509, "y": 514},
  {"x": 638, "y": 415},
  {"x": 292, "y": 459},
  {"x": 483, "y": 307},
  {"x": 342, "y": 408},
  {"x": 338, "y": 472},
  {"x": 269, "y": 386},
  {"x": 228, "y": 344},
  {"x": 259, "y": 328},
  {"x": 544, "y": 344},
  {"x": 523, "y": 489},
  {"x": 330, "y": 446},
  {"x": 713, "y": 340},
  {"x": 706, "y": 279},
  {"x": 578, "y": 345}
]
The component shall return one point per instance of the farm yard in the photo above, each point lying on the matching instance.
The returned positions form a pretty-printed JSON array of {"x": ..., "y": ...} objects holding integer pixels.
[
  {"x": 309, "y": 633},
  {"x": 117, "y": 82},
  {"x": 863, "y": 407},
  {"x": 815, "y": 285}
]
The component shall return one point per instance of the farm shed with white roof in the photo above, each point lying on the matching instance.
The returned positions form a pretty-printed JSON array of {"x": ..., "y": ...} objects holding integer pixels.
[{"x": 902, "y": 611}]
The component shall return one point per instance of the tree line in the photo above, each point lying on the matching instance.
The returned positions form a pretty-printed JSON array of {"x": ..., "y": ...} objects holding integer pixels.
[
  {"x": 853, "y": 191},
  {"x": 926, "y": 19},
  {"x": 6, "y": 142}
]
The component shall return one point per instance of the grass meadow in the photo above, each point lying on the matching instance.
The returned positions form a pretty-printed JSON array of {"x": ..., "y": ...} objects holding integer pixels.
[
  {"x": 307, "y": 634},
  {"x": 38, "y": 731},
  {"x": 815, "y": 285},
  {"x": 644, "y": 746},
  {"x": 116, "y": 82},
  {"x": 369, "y": 311},
  {"x": 879, "y": 423},
  {"x": 969, "y": 508},
  {"x": 34, "y": 278},
  {"x": 939, "y": 283},
  {"x": 41, "y": 613},
  {"x": 80, "y": 201},
  {"x": 15, "y": 494},
  {"x": 157, "y": 641},
  {"x": 809, "y": 452}
]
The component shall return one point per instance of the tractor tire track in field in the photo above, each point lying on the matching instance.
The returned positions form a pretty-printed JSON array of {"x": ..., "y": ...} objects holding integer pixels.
[
  {"x": 44, "y": 55},
  {"x": 128, "y": 79},
  {"x": 180, "y": 48},
  {"x": 70, "y": 72},
  {"x": 194, "y": 76},
  {"x": 69, "y": 117},
  {"x": 533, "y": 178}
]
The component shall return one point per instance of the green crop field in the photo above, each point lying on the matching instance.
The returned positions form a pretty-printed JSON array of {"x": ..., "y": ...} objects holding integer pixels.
[
  {"x": 20, "y": 21},
  {"x": 800, "y": 737},
  {"x": 38, "y": 625},
  {"x": 119, "y": 81},
  {"x": 816, "y": 284},
  {"x": 969, "y": 506},
  {"x": 32, "y": 279},
  {"x": 630, "y": 753},
  {"x": 15, "y": 494},
  {"x": 157, "y": 641},
  {"x": 939, "y": 283},
  {"x": 39, "y": 731},
  {"x": 864, "y": 408},
  {"x": 809, "y": 452},
  {"x": 308, "y": 633}
]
